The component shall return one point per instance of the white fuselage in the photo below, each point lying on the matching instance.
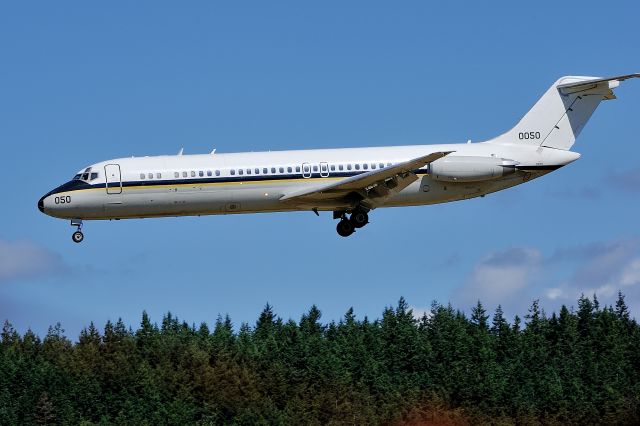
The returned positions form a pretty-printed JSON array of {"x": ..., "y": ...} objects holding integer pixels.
[
  {"x": 255, "y": 182},
  {"x": 350, "y": 182}
]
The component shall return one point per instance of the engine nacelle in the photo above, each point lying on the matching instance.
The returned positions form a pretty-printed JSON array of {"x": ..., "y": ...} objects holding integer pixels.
[{"x": 470, "y": 169}]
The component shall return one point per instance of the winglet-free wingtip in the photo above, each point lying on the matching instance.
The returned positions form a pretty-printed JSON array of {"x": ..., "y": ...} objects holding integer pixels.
[{"x": 180, "y": 152}]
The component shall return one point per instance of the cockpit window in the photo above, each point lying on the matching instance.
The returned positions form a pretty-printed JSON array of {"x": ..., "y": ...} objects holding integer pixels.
[{"x": 86, "y": 175}]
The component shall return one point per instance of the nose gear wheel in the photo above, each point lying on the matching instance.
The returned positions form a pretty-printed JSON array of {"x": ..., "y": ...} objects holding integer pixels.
[{"x": 77, "y": 236}]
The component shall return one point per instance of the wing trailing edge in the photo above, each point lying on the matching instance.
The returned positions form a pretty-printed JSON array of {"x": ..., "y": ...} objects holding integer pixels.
[{"x": 376, "y": 184}]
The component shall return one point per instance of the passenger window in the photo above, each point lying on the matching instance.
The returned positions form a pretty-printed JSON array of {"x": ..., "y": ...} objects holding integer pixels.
[
  {"x": 340, "y": 167},
  {"x": 141, "y": 175},
  {"x": 240, "y": 171},
  {"x": 289, "y": 170},
  {"x": 208, "y": 172},
  {"x": 333, "y": 168},
  {"x": 273, "y": 170},
  {"x": 381, "y": 165},
  {"x": 257, "y": 171},
  {"x": 193, "y": 173},
  {"x": 373, "y": 165},
  {"x": 217, "y": 172},
  {"x": 315, "y": 168},
  {"x": 201, "y": 173},
  {"x": 158, "y": 175},
  {"x": 297, "y": 169},
  {"x": 388, "y": 164},
  {"x": 248, "y": 171},
  {"x": 281, "y": 169},
  {"x": 306, "y": 169},
  {"x": 365, "y": 166},
  {"x": 176, "y": 175},
  {"x": 265, "y": 171},
  {"x": 233, "y": 172},
  {"x": 357, "y": 166},
  {"x": 150, "y": 175},
  {"x": 184, "y": 174},
  {"x": 348, "y": 166}
]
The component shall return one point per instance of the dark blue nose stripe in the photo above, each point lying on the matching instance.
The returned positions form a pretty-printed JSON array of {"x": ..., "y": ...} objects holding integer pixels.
[{"x": 69, "y": 186}]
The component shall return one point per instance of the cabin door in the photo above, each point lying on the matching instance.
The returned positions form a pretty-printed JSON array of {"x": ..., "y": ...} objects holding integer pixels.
[{"x": 113, "y": 178}]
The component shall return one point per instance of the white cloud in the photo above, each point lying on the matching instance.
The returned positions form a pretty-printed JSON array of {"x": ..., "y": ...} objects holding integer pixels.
[
  {"x": 25, "y": 259},
  {"x": 516, "y": 276},
  {"x": 631, "y": 274},
  {"x": 418, "y": 313},
  {"x": 602, "y": 268},
  {"x": 555, "y": 293},
  {"x": 501, "y": 277}
]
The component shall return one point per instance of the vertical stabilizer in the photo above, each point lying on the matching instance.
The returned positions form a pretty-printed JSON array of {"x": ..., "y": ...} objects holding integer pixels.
[{"x": 556, "y": 120}]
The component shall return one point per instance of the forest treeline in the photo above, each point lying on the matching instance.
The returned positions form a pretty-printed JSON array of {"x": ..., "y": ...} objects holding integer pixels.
[{"x": 579, "y": 366}]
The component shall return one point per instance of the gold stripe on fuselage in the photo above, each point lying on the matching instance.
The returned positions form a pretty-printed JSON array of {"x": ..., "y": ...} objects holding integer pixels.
[{"x": 264, "y": 182}]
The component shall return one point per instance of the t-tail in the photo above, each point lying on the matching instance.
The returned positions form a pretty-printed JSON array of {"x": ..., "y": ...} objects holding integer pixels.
[{"x": 555, "y": 121}]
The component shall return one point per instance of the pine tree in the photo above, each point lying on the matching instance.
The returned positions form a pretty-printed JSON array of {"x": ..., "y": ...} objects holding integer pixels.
[
  {"x": 621, "y": 309},
  {"x": 45, "y": 413},
  {"x": 579, "y": 367},
  {"x": 9, "y": 335}
]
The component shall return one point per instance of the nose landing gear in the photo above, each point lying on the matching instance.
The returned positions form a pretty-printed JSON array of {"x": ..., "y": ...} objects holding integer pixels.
[
  {"x": 77, "y": 236},
  {"x": 347, "y": 226}
]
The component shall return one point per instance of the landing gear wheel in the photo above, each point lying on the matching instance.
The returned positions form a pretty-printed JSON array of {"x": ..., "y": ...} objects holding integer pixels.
[
  {"x": 359, "y": 218},
  {"x": 345, "y": 228},
  {"x": 77, "y": 237}
]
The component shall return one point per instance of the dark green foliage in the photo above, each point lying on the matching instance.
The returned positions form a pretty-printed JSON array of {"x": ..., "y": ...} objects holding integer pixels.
[{"x": 574, "y": 367}]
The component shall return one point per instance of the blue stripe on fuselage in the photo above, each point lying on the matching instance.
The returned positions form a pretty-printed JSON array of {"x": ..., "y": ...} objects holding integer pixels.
[{"x": 76, "y": 185}]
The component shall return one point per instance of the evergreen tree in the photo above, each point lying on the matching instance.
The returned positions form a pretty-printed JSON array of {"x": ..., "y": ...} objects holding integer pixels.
[{"x": 579, "y": 367}]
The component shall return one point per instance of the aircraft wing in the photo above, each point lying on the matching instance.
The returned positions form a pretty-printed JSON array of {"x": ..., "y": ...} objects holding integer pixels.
[{"x": 371, "y": 187}]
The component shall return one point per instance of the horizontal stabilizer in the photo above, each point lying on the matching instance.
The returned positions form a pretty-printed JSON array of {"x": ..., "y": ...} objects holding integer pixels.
[{"x": 582, "y": 85}]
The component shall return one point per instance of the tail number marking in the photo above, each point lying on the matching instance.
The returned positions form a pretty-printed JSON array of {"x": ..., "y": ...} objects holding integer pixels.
[
  {"x": 528, "y": 135},
  {"x": 62, "y": 200}
]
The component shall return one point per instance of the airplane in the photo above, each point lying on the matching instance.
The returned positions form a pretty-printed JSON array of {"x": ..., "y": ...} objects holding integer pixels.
[{"x": 350, "y": 182}]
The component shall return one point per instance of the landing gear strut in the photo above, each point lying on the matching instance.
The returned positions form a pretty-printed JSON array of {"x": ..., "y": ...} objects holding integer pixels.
[
  {"x": 77, "y": 236},
  {"x": 347, "y": 226}
]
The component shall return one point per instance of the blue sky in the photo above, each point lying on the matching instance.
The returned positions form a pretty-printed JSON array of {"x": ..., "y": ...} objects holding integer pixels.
[{"x": 81, "y": 83}]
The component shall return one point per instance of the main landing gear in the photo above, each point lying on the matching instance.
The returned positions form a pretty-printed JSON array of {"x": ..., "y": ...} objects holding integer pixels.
[
  {"x": 347, "y": 226},
  {"x": 77, "y": 236}
]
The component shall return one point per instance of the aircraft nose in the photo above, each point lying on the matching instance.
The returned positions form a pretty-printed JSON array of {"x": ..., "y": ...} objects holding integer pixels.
[{"x": 41, "y": 204}]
